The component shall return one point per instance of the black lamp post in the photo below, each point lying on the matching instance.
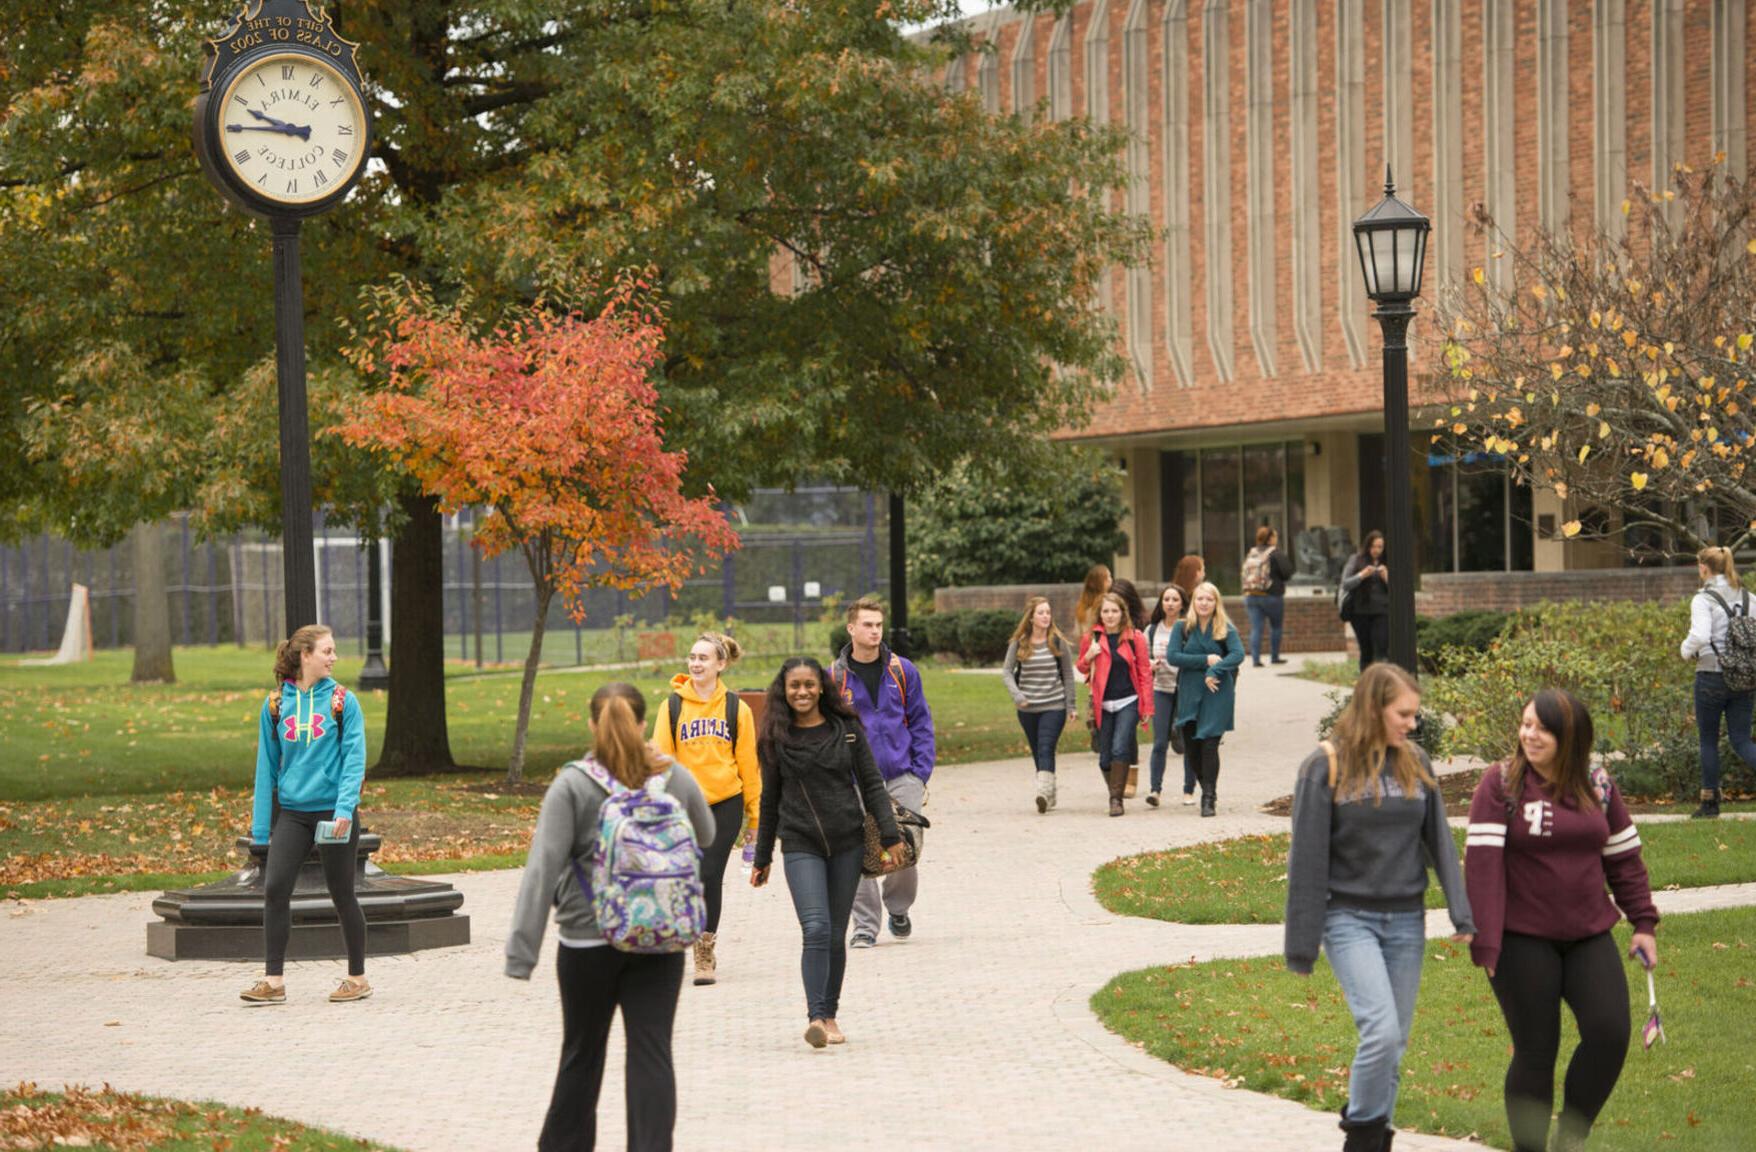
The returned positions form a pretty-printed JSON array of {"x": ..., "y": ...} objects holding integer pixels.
[{"x": 1392, "y": 241}]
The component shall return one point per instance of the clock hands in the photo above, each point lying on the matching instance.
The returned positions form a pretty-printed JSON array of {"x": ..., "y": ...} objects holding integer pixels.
[{"x": 274, "y": 125}]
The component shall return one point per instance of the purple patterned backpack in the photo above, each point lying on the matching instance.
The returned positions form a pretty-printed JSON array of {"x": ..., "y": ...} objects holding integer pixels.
[{"x": 645, "y": 887}]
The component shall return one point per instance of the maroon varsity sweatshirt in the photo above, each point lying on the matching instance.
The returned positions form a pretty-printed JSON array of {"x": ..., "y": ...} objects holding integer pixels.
[{"x": 1542, "y": 868}]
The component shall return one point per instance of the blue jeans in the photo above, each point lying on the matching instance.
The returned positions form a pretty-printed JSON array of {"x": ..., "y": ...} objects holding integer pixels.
[
  {"x": 1164, "y": 711},
  {"x": 1273, "y": 610},
  {"x": 1713, "y": 699},
  {"x": 1118, "y": 743},
  {"x": 1042, "y": 731},
  {"x": 1377, "y": 960},
  {"x": 823, "y": 898}
]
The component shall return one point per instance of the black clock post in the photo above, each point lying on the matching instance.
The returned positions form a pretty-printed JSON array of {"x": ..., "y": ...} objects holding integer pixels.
[{"x": 283, "y": 129}]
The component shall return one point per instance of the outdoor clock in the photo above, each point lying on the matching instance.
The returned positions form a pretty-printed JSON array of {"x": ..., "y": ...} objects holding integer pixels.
[{"x": 281, "y": 124}]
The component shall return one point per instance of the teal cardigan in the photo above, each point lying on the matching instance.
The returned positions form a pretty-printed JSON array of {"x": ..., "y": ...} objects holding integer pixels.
[{"x": 1188, "y": 651}]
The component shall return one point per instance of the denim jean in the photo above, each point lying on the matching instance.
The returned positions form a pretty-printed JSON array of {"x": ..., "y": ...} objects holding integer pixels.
[
  {"x": 1118, "y": 742},
  {"x": 823, "y": 898},
  {"x": 1269, "y": 609},
  {"x": 1377, "y": 961},
  {"x": 1164, "y": 712},
  {"x": 1712, "y": 700},
  {"x": 1042, "y": 731}
]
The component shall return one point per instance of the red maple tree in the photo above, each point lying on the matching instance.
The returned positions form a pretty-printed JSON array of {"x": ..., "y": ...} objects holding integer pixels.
[{"x": 550, "y": 422}]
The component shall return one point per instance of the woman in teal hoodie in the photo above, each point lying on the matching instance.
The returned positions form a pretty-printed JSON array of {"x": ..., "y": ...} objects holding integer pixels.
[
  {"x": 1206, "y": 652},
  {"x": 310, "y": 763}
]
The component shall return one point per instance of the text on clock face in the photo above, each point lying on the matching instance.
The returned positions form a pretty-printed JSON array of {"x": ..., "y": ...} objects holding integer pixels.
[{"x": 291, "y": 129}]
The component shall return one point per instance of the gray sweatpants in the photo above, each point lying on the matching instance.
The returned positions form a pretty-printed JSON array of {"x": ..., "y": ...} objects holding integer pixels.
[{"x": 910, "y": 791}]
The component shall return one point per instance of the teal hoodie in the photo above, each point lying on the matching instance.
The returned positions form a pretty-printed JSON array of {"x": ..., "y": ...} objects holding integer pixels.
[{"x": 313, "y": 766}]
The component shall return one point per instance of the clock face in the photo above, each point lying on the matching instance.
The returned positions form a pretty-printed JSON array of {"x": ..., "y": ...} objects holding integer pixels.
[{"x": 291, "y": 129}]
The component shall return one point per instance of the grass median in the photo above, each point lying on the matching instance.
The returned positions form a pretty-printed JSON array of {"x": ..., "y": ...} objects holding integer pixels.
[
  {"x": 79, "y": 1117},
  {"x": 1255, "y": 1025},
  {"x": 1243, "y": 880}
]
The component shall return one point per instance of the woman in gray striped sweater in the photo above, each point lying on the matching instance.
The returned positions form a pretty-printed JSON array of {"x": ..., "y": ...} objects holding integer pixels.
[{"x": 1038, "y": 672}]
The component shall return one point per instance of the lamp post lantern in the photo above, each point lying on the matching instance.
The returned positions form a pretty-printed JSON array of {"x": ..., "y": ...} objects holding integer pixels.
[{"x": 1392, "y": 242}]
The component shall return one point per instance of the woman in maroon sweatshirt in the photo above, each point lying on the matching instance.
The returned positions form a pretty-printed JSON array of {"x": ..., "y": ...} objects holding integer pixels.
[{"x": 1549, "y": 843}]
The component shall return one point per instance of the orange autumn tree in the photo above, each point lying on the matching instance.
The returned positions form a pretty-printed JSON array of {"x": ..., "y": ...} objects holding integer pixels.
[{"x": 550, "y": 422}]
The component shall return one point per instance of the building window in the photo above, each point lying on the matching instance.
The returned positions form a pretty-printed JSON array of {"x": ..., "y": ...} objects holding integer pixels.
[
  {"x": 1024, "y": 69},
  {"x": 1469, "y": 514},
  {"x": 1214, "y": 499},
  {"x": 1136, "y": 88},
  {"x": 988, "y": 81},
  {"x": 1061, "y": 69}
]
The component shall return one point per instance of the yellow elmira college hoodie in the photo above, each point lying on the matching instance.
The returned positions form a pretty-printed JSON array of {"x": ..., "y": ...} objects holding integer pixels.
[{"x": 703, "y": 744}]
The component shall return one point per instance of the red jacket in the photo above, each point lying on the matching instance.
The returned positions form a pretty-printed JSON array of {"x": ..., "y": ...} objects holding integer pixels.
[{"x": 1132, "y": 646}]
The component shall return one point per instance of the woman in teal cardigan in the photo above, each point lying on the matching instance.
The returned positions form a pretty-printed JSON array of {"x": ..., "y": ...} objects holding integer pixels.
[{"x": 1206, "y": 651}]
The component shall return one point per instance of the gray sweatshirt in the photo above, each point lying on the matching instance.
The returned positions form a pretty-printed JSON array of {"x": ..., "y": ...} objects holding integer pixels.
[
  {"x": 1354, "y": 854},
  {"x": 567, "y": 829},
  {"x": 1039, "y": 681}
]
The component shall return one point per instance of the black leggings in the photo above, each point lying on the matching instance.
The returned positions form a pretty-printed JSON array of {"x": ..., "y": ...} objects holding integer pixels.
[
  {"x": 1200, "y": 759},
  {"x": 594, "y": 983},
  {"x": 1373, "y": 635},
  {"x": 728, "y": 821},
  {"x": 1533, "y": 977},
  {"x": 289, "y": 842}
]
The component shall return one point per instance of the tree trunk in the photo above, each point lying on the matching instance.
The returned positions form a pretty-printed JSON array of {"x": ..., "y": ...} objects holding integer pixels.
[
  {"x": 527, "y": 690},
  {"x": 152, "y": 608},
  {"x": 415, "y": 737}
]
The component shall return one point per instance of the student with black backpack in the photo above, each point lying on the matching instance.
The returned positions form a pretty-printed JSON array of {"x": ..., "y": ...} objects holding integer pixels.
[
  {"x": 712, "y": 733},
  {"x": 1722, "y": 642}
]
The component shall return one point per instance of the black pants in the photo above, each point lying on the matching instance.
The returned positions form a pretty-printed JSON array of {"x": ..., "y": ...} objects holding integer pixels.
[
  {"x": 594, "y": 983},
  {"x": 1200, "y": 759},
  {"x": 289, "y": 842},
  {"x": 1373, "y": 634},
  {"x": 728, "y": 821},
  {"x": 1533, "y": 977}
]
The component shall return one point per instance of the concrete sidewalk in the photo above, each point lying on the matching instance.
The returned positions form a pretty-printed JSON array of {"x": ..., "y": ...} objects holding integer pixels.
[{"x": 974, "y": 1034}]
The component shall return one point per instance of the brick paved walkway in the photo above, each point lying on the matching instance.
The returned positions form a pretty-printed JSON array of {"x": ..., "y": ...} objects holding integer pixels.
[{"x": 975, "y": 1034}]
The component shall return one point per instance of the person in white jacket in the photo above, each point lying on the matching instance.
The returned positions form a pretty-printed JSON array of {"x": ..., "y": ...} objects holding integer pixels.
[{"x": 1710, "y": 615}]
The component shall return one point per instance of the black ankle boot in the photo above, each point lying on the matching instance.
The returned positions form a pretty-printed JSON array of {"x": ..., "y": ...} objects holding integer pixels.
[
  {"x": 1709, "y": 809},
  {"x": 1371, "y": 1136},
  {"x": 1207, "y": 803}
]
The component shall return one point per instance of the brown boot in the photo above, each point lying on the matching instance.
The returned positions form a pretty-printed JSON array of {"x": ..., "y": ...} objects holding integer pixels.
[
  {"x": 704, "y": 965},
  {"x": 1133, "y": 779},
  {"x": 1118, "y": 779}
]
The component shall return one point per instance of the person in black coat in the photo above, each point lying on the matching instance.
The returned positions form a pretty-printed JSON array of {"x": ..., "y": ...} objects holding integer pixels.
[
  {"x": 1365, "y": 587},
  {"x": 814, "y": 756}
]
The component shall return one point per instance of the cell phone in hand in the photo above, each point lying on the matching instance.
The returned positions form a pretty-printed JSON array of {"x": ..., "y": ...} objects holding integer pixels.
[{"x": 326, "y": 833}]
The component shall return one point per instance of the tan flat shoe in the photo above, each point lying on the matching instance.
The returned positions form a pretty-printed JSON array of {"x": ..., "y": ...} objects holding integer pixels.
[
  {"x": 262, "y": 992},
  {"x": 351, "y": 988},
  {"x": 834, "y": 1031},
  {"x": 816, "y": 1035}
]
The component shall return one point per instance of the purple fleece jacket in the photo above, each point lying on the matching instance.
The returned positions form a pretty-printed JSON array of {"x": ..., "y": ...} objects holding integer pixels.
[{"x": 900, "y": 731}]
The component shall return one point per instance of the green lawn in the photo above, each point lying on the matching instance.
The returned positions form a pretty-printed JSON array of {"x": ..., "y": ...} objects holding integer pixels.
[
  {"x": 82, "y": 730},
  {"x": 1253, "y": 1024},
  {"x": 1335, "y": 673},
  {"x": 92, "y": 1118},
  {"x": 1243, "y": 880}
]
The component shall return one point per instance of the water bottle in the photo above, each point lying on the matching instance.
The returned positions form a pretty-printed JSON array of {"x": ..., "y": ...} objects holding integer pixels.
[{"x": 749, "y": 855}]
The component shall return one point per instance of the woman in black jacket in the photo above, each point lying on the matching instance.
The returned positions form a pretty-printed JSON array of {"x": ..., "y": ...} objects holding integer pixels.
[
  {"x": 813, "y": 753},
  {"x": 1365, "y": 584}
]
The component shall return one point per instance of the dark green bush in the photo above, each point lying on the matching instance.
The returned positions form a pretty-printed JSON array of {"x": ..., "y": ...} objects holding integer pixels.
[
  {"x": 935, "y": 632},
  {"x": 1474, "y": 629},
  {"x": 982, "y": 634},
  {"x": 838, "y": 639}
]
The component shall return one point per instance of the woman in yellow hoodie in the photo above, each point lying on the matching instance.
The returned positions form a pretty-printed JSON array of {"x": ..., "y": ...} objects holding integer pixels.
[{"x": 699, "y": 728}]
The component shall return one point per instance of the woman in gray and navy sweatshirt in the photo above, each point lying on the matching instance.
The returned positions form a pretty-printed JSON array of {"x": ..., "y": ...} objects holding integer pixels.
[
  {"x": 1550, "y": 842},
  {"x": 1367, "y": 821}
]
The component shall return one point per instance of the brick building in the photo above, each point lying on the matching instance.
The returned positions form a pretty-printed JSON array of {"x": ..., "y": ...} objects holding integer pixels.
[{"x": 1261, "y": 128}]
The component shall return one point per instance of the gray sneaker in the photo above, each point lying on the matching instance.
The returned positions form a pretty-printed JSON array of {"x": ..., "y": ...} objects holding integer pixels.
[
  {"x": 900, "y": 926},
  {"x": 863, "y": 940}
]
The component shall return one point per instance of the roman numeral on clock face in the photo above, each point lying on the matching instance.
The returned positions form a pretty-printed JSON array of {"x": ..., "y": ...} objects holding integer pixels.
[
  {"x": 286, "y": 71},
  {"x": 293, "y": 186},
  {"x": 340, "y": 157},
  {"x": 243, "y": 156},
  {"x": 317, "y": 80},
  {"x": 241, "y": 100},
  {"x": 319, "y": 178}
]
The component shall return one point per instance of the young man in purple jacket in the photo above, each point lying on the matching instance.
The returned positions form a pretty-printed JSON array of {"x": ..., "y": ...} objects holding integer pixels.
[{"x": 885, "y": 690}]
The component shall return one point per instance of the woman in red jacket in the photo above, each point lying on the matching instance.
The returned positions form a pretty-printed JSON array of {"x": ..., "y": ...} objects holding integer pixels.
[
  {"x": 1117, "y": 666},
  {"x": 1550, "y": 856}
]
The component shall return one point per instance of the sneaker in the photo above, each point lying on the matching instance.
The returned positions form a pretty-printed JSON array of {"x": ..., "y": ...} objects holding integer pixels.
[
  {"x": 1188, "y": 799},
  {"x": 863, "y": 940},
  {"x": 1152, "y": 799},
  {"x": 900, "y": 926},
  {"x": 816, "y": 1035},
  {"x": 1277, "y": 660},
  {"x": 262, "y": 992},
  {"x": 351, "y": 988},
  {"x": 834, "y": 1031}
]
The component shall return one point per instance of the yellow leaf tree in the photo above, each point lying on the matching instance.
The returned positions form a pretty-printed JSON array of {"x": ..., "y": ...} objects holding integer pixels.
[{"x": 1616, "y": 371}]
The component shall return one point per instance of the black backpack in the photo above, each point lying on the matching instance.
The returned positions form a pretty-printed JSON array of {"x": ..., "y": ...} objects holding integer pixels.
[
  {"x": 1737, "y": 663},
  {"x": 732, "y": 709}
]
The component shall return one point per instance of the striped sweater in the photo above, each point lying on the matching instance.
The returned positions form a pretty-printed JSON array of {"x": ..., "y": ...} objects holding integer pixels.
[
  {"x": 1041, "y": 681},
  {"x": 1548, "y": 868}
]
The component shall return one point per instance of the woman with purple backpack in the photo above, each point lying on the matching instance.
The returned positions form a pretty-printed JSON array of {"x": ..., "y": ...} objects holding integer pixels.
[{"x": 597, "y": 979}]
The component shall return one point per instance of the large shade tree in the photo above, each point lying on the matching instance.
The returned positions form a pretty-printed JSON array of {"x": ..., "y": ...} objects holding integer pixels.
[{"x": 942, "y": 261}]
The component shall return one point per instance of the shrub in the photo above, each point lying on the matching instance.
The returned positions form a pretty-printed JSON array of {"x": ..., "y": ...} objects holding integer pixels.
[
  {"x": 1473, "y": 629},
  {"x": 1619, "y": 658},
  {"x": 838, "y": 638},
  {"x": 982, "y": 634},
  {"x": 936, "y": 632}
]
